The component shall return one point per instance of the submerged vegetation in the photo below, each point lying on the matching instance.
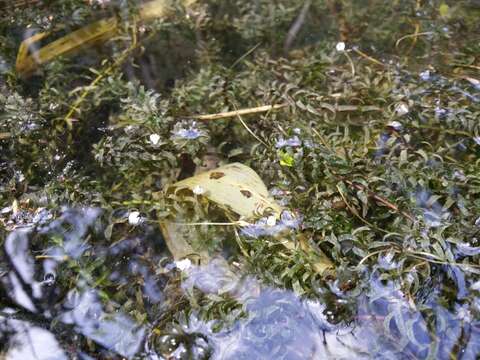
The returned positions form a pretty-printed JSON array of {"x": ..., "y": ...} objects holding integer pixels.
[{"x": 361, "y": 118}]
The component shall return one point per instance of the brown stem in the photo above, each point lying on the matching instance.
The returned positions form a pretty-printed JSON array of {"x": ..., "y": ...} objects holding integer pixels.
[{"x": 379, "y": 199}]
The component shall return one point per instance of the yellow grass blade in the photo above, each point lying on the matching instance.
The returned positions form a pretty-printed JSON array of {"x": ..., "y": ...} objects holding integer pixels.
[
  {"x": 85, "y": 37},
  {"x": 69, "y": 44}
]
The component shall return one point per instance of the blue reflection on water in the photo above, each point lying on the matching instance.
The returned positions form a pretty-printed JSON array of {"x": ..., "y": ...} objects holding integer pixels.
[
  {"x": 276, "y": 323},
  {"x": 82, "y": 308},
  {"x": 279, "y": 324}
]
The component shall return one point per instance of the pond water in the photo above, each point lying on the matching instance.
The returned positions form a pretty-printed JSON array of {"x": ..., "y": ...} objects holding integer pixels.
[{"x": 346, "y": 226}]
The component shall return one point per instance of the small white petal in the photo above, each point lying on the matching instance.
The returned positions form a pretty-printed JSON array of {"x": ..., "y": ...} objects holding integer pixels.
[
  {"x": 425, "y": 75},
  {"x": 340, "y": 46},
  {"x": 402, "y": 109},
  {"x": 134, "y": 218},
  {"x": 395, "y": 125},
  {"x": 183, "y": 264},
  {"x": 271, "y": 221},
  {"x": 198, "y": 190},
  {"x": 154, "y": 139}
]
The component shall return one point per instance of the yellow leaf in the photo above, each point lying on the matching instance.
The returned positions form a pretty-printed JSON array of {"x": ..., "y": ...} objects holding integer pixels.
[
  {"x": 239, "y": 189},
  {"x": 444, "y": 10},
  {"x": 236, "y": 187}
]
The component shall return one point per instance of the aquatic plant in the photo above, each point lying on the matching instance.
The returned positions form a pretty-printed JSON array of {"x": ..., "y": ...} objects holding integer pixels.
[{"x": 361, "y": 120}]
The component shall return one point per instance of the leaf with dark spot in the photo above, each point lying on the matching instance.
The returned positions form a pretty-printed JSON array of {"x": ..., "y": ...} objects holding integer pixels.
[
  {"x": 246, "y": 193},
  {"x": 216, "y": 175}
]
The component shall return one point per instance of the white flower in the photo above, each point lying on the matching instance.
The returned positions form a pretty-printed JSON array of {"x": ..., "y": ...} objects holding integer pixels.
[
  {"x": 134, "y": 218},
  {"x": 477, "y": 140},
  {"x": 183, "y": 265},
  {"x": 395, "y": 125},
  {"x": 425, "y": 75},
  {"x": 402, "y": 109},
  {"x": 198, "y": 190},
  {"x": 154, "y": 139},
  {"x": 271, "y": 221},
  {"x": 340, "y": 46}
]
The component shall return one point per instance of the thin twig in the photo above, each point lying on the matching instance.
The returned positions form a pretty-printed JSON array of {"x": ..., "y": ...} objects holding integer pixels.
[
  {"x": 366, "y": 257},
  {"x": 368, "y": 57},
  {"x": 250, "y": 131},
  {"x": 55, "y": 257},
  {"x": 356, "y": 214},
  {"x": 379, "y": 199},
  {"x": 269, "y": 108},
  {"x": 233, "y": 223},
  {"x": 415, "y": 35},
  {"x": 462, "y": 265},
  {"x": 5, "y": 135},
  {"x": 240, "y": 244},
  {"x": 465, "y": 66},
  {"x": 241, "y": 58},
  {"x": 228, "y": 114}
]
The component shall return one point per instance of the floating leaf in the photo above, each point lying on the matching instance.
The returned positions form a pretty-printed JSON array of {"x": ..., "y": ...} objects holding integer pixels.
[
  {"x": 240, "y": 190},
  {"x": 236, "y": 187}
]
